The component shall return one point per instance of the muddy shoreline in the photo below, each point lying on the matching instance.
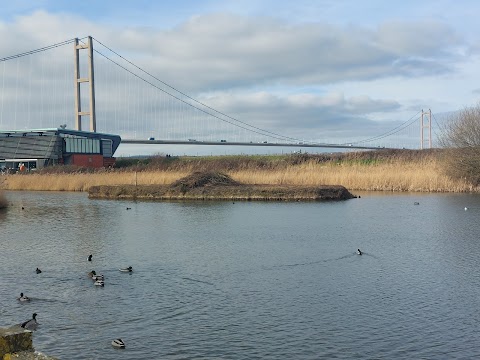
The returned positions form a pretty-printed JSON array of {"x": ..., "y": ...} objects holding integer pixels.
[{"x": 220, "y": 192}]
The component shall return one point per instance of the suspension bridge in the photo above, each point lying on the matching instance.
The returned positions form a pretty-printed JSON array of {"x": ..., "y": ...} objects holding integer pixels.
[{"x": 49, "y": 88}]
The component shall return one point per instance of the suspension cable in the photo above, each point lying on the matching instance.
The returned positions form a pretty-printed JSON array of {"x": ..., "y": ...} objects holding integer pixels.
[
  {"x": 264, "y": 132},
  {"x": 395, "y": 130},
  {"x": 45, "y": 48}
]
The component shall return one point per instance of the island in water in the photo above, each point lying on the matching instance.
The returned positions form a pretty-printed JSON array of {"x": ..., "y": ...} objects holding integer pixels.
[{"x": 219, "y": 186}]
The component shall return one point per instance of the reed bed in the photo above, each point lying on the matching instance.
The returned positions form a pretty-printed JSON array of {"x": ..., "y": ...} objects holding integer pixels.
[
  {"x": 401, "y": 171},
  {"x": 83, "y": 181},
  {"x": 385, "y": 177}
]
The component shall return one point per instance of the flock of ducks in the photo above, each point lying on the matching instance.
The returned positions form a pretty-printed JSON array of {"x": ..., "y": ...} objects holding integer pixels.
[
  {"x": 98, "y": 279},
  {"x": 31, "y": 324}
]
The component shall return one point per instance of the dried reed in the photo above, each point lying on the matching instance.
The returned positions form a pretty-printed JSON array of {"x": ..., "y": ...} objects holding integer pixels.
[
  {"x": 83, "y": 181},
  {"x": 409, "y": 171}
]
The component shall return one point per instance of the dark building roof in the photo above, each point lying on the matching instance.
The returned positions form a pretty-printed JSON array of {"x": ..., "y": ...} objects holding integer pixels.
[{"x": 44, "y": 143}]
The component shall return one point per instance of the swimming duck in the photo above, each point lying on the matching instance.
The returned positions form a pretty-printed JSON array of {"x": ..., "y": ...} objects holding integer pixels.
[
  {"x": 38, "y": 271},
  {"x": 91, "y": 274},
  {"x": 359, "y": 252},
  {"x": 416, "y": 203},
  {"x": 23, "y": 298},
  {"x": 118, "y": 343},
  {"x": 98, "y": 277},
  {"x": 128, "y": 269},
  {"x": 99, "y": 283},
  {"x": 32, "y": 323},
  {"x": 90, "y": 257}
]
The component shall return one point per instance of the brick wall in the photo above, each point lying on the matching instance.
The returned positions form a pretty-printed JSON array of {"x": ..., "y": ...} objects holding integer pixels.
[{"x": 87, "y": 160}]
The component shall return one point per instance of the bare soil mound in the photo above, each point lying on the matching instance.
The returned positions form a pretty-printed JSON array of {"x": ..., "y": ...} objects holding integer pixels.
[
  {"x": 219, "y": 186},
  {"x": 203, "y": 179}
]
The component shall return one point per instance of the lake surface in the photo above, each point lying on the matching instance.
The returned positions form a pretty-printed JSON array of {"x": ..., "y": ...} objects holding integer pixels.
[{"x": 245, "y": 280}]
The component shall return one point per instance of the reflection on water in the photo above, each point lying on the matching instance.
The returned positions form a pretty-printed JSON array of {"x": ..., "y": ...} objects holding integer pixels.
[{"x": 245, "y": 280}]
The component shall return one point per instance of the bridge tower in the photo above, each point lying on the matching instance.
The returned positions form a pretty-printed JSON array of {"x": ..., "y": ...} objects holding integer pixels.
[
  {"x": 426, "y": 123},
  {"x": 80, "y": 80}
]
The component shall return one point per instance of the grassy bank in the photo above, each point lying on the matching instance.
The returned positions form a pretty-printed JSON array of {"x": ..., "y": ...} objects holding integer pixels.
[{"x": 405, "y": 170}]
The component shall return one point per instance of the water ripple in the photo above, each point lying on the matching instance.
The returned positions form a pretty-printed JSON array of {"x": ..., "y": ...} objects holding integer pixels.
[{"x": 253, "y": 281}]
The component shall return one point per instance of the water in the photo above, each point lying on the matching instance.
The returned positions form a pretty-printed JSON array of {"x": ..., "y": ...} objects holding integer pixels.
[{"x": 245, "y": 280}]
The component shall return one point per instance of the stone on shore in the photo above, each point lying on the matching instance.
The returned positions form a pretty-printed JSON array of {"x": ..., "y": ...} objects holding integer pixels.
[{"x": 16, "y": 343}]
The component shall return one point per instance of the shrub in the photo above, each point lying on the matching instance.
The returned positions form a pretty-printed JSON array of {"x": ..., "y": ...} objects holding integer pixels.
[{"x": 461, "y": 135}]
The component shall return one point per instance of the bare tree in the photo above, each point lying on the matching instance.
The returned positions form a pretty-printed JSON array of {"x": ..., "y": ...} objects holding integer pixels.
[
  {"x": 462, "y": 129},
  {"x": 461, "y": 137}
]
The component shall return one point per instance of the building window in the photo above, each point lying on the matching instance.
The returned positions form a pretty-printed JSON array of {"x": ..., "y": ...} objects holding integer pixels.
[{"x": 82, "y": 146}]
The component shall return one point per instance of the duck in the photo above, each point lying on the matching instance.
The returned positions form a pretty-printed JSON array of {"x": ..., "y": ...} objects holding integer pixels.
[
  {"x": 99, "y": 283},
  {"x": 23, "y": 298},
  {"x": 359, "y": 252},
  {"x": 93, "y": 275},
  {"x": 90, "y": 257},
  {"x": 118, "y": 343},
  {"x": 128, "y": 269},
  {"x": 416, "y": 203},
  {"x": 98, "y": 277},
  {"x": 129, "y": 208},
  {"x": 32, "y": 323},
  {"x": 38, "y": 271}
]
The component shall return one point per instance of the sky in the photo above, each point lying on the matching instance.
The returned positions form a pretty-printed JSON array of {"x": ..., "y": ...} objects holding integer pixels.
[{"x": 310, "y": 69}]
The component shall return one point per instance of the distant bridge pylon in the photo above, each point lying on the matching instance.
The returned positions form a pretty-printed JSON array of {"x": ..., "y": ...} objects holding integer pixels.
[{"x": 82, "y": 80}]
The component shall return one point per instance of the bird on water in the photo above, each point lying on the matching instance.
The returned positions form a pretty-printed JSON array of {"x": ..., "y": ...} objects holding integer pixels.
[
  {"x": 90, "y": 257},
  {"x": 359, "y": 252},
  {"x": 118, "y": 343},
  {"x": 38, "y": 271},
  {"x": 29, "y": 324},
  {"x": 23, "y": 298}
]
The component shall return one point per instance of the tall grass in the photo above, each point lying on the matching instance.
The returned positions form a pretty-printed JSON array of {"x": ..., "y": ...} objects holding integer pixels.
[
  {"x": 83, "y": 181},
  {"x": 424, "y": 177},
  {"x": 385, "y": 171}
]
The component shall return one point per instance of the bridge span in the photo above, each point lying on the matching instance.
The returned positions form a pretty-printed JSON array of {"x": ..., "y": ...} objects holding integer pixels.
[{"x": 230, "y": 143}]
